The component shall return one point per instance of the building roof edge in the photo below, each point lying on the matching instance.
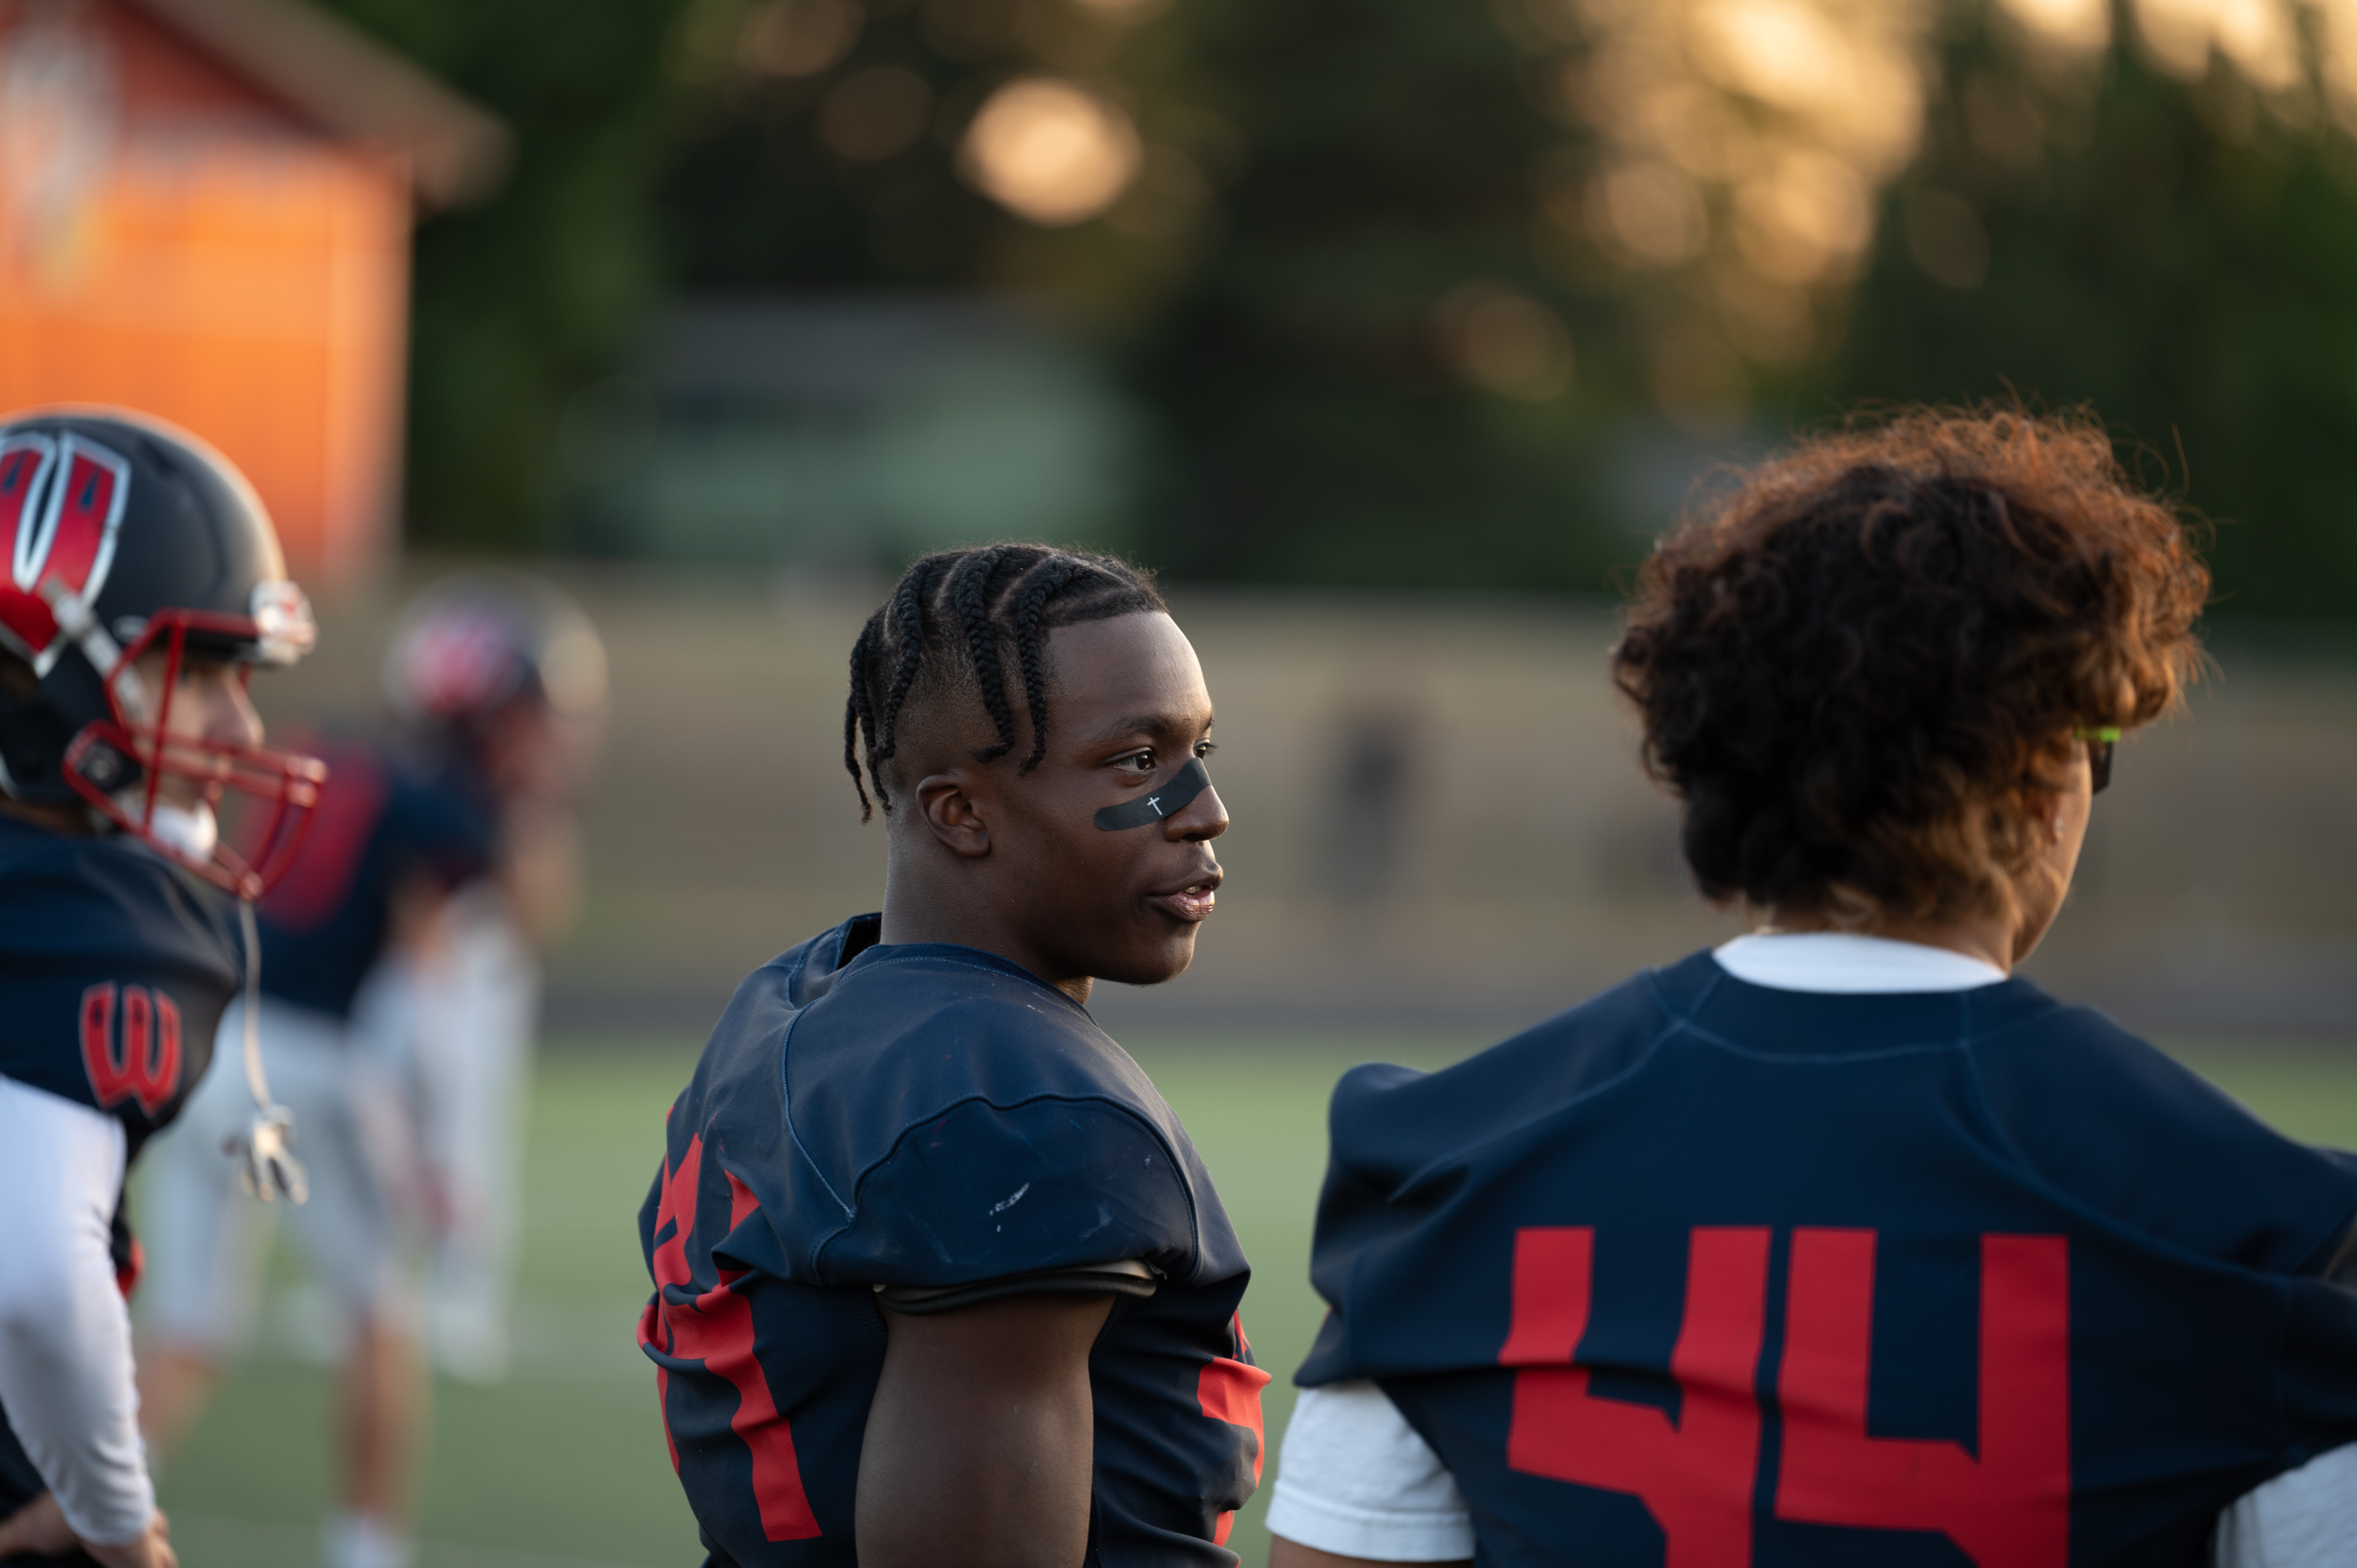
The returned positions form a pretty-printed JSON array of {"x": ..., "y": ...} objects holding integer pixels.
[{"x": 354, "y": 86}]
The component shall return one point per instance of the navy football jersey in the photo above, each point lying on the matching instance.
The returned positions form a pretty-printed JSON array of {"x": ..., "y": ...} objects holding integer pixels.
[
  {"x": 382, "y": 819},
  {"x": 1706, "y": 1274},
  {"x": 115, "y": 967},
  {"x": 919, "y": 1118}
]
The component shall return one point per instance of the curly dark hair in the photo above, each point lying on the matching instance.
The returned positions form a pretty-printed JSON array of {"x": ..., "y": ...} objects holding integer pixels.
[
  {"x": 963, "y": 615},
  {"x": 1856, "y": 665}
]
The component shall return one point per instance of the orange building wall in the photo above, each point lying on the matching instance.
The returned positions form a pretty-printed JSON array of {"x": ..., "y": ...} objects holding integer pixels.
[{"x": 231, "y": 272}]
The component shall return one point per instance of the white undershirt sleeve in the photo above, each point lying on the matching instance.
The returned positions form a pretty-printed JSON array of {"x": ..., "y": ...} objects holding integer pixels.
[
  {"x": 65, "y": 1334},
  {"x": 1354, "y": 1478},
  {"x": 2303, "y": 1519}
]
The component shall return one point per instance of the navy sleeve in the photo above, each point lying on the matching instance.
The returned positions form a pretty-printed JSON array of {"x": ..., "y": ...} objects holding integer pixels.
[
  {"x": 1387, "y": 1124},
  {"x": 2110, "y": 1122},
  {"x": 982, "y": 1192}
]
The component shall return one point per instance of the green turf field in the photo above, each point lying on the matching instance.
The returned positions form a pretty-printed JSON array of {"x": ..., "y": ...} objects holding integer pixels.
[{"x": 564, "y": 1465}]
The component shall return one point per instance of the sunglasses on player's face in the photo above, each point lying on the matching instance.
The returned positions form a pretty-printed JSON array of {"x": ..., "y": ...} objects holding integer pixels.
[{"x": 2100, "y": 741}]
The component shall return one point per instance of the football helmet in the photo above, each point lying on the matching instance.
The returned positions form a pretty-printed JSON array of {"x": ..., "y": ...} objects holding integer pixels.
[
  {"x": 475, "y": 643},
  {"x": 127, "y": 537}
]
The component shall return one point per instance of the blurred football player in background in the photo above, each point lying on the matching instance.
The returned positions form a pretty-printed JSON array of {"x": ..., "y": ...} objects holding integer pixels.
[
  {"x": 145, "y": 583},
  {"x": 506, "y": 669},
  {"x": 400, "y": 995}
]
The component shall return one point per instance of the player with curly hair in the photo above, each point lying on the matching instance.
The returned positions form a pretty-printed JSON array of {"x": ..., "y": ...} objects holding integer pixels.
[
  {"x": 939, "y": 1277},
  {"x": 1842, "y": 1243}
]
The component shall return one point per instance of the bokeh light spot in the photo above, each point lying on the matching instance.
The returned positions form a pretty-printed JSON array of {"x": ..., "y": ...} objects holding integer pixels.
[
  {"x": 2259, "y": 36},
  {"x": 2071, "y": 27},
  {"x": 1050, "y": 151},
  {"x": 798, "y": 38},
  {"x": 1780, "y": 51}
]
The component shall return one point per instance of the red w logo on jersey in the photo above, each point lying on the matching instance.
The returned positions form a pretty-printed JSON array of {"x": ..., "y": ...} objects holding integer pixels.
[
  {"x": 61, "y": 500},
  {"x": 143, "y": 1063}
]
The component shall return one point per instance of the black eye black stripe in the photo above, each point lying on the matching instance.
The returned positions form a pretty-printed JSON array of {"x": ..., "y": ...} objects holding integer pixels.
[{"x": 1185, "y": 785}]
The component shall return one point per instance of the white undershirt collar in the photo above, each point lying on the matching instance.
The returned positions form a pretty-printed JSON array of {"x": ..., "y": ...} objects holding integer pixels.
[{"x": 1844, "y": 964}]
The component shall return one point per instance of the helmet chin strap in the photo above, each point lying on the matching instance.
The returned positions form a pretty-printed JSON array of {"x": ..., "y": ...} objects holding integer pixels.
[
  {"x": 265, "y": 1159},
  {"x": 264, "y": 1155},
  {"x": 74, "y": 618}
]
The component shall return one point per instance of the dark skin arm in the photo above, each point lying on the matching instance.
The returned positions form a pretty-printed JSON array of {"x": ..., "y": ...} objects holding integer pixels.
[{"x": 981, "y": 1443}]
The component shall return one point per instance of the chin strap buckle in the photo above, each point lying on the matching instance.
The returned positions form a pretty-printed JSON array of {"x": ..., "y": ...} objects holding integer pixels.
[
  {"x": 75, "y": 619},
  {"x": 266, "y": 1166}
]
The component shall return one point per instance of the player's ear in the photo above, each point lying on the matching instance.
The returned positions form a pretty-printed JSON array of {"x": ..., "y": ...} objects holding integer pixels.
[
  {"x": 946, "y": 807},
  {"x": 2044, "y": 808}
]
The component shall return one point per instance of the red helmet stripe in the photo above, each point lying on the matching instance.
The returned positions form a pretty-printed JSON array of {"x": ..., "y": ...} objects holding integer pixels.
[
  {"x": 24, "y": 463},
  {"x": 85, "y": 507},
  {"x": 62, "y": 503}
]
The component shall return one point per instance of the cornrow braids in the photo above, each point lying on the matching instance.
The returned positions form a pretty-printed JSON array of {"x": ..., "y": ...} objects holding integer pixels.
[
  {"x": 906, "y": 614},
  {"x": 858, "y": 711},
  {"x": 969, "y": 584},
  {"x": 1031, "y": 594},
  {"x": 956, "y": 615}
]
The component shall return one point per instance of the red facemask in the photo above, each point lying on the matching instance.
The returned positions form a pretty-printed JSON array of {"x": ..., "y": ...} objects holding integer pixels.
[{"x": 277, "y": 790}]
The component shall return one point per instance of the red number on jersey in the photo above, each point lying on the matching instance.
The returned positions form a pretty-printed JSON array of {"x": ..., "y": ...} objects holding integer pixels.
[
  {"x": 2006, "y": 1505},
  {"x": 1695, "y": 1477},
  {"x": 717, "y": 1327},
  {"x": 1229, "y": 1390}
]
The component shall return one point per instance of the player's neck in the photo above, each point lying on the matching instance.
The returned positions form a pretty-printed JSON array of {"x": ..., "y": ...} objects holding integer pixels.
[
  {"x": 916, "y": 913},
  {"x": 1989, "y": 939}
]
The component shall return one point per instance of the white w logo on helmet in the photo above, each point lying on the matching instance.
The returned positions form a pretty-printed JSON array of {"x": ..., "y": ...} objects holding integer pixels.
[{"x": 61, "y": 500}]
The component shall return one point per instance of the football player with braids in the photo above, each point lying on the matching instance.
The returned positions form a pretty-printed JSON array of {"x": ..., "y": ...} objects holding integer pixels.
[
  {"x": 939, "y": 1277},
  {"x": 143, "y": 584},
  {"x": 396, "y": 1012},
  {"x": 1843, "y": 1242}
]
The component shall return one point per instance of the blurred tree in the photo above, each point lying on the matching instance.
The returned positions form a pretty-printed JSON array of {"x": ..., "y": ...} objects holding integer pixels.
[
  {"x": 2147, "y": 205},
  {"x": 1383, "y": 372},
  {"x": 1407, "y": 283},
  {"x": 521, "y": 301},
  {"x": 2178, "y": 254},
  {"x": 755, "y": 199},
  {"x": 1320, "y": 265},
  {"x": 1032, "y": 146}
]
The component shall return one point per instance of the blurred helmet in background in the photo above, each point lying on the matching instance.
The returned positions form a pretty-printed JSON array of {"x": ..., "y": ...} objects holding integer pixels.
[
  {"x": 126, "y": 535},
  {"x": 497, "y": 657}
]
